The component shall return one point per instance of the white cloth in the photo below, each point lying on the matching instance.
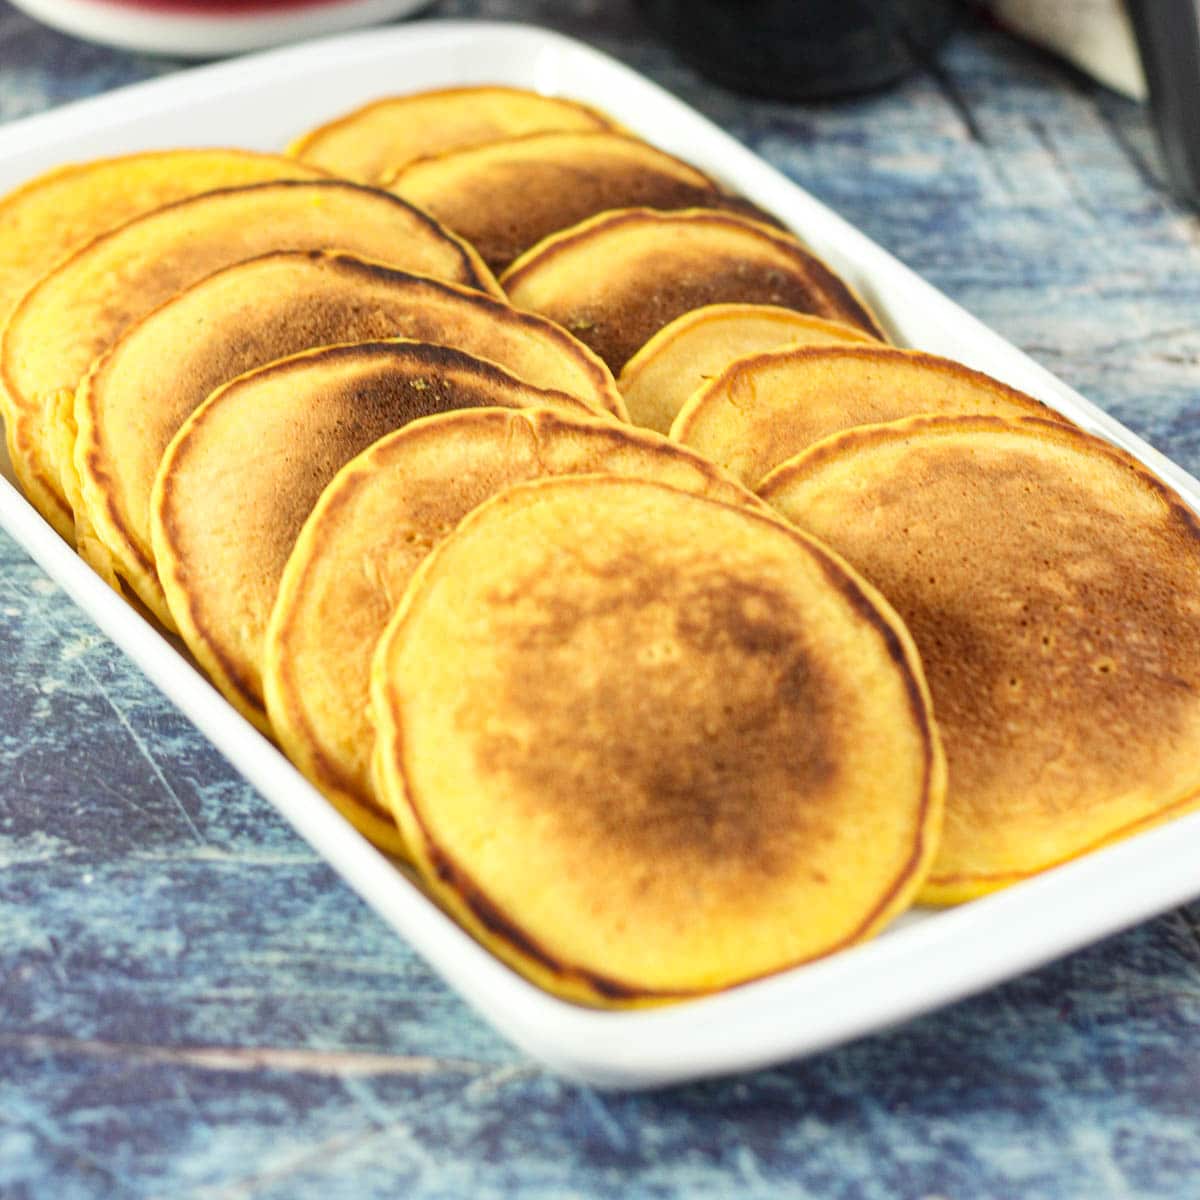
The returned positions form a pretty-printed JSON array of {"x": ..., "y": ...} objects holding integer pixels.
[{"x": 1093, "y": 34}]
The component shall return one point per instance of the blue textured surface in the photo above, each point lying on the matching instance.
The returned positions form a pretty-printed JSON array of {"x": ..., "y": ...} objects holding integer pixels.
[{"x": 192, "y": 1005}]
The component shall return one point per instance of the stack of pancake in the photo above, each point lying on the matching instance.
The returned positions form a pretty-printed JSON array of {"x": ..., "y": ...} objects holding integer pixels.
[{"x": 576, "y": 531}]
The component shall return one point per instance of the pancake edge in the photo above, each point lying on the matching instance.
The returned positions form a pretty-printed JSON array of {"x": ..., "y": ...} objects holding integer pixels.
[
  {"x": 303, "y": 143},
  {"x": 502, "y": 935},
  {"x": 228, "y": 676},
  {"x": 702, "y": 398}
]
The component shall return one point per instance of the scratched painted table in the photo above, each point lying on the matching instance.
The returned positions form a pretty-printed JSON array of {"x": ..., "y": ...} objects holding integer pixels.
[{"x": 192, "y": 1005}]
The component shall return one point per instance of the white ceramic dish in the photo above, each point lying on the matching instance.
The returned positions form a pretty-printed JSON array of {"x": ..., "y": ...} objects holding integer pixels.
[
  {"x": 925, "y": 959},
  {"x": 209, "y": 28}
]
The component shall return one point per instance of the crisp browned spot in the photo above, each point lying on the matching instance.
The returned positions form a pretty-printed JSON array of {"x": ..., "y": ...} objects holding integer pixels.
[
  {"x": 636, "y": 308},
  {"x": 618, "y": 278},
  {"x": 732, "y": 789},
  {"x": 354, "y": 408},
  {"x": 508, "y": 195},
  {"x": 557, "y": 196}
]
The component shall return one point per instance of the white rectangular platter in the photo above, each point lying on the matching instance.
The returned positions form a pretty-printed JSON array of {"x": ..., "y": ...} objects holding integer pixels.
[{"x": 926, "y": 959}]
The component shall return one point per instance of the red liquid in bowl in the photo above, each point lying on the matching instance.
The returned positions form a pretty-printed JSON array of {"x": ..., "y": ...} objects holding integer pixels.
[{"x": 219, "y": 8}]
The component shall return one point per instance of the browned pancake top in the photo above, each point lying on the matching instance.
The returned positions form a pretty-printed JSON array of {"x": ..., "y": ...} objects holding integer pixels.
[
  {"x": 616, "y": 279},
  {"x": 81, "y": 307},
  {"x": 244, "y": 472},
  {"x": 1052, "y": 586},
  {"x": 769, "y": 748},
  {"x": 1082, "y": 625},
  {"x": 357, "y": 394},
  {"x": 506, "y": 196},
  {"x": 119, "y": 277},
  {"x": 416, "y": 485}
]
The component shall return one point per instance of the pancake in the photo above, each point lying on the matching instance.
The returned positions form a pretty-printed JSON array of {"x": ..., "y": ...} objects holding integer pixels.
[
  {"x": 1050, "y": 583},
  {"x": 506, "y": 196},
  {"x": 140, "y": 391},
  {"x": 44, "y": 219},
  {"x": 244, "y": 471},
  {"x": 79, "y": 309},
  {"x": 645, "y": 744},
  {"x": 56, "y": 213},
  {"x": 693, "y": 349},
  {"x": 767, "y": 407},
  {"x": 368, "y": 533},
  {"x": 372, "y": 142},
  {"x": 616, "y": 279}
]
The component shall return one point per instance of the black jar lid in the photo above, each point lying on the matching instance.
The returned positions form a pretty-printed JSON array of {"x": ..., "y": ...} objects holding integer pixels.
[{"x": 804, "y": 49}]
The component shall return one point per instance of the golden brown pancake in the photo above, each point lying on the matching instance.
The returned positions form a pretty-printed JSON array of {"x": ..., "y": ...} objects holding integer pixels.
[
  {"x": 373, "y": 142},
  {"x": 765, "y": 408},
  {"x": 615, "y": 280},
  {"x": 693, "y": 349},
  {"x": 140, "y": 391},
  {"x": 79, "y": 309},
  {"x": 1051, "y": 585},
  {"x": 644, "y": 744},
  {"x": 506, "y": 196},
  {"x": 61, "y": 210},
  {"x": 368, "y": 533},
  {"x": 56, "y": 213},
  {"x": 244, "y": 471}
]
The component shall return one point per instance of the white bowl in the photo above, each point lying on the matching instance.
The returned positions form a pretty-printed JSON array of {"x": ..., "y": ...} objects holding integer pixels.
[{"x": 208, "y": 28}]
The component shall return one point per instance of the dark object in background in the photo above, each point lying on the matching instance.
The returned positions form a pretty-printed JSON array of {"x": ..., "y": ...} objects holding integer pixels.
[
  {"x": 804, "y": 49},
  {"x": 1168, "y": 34}
]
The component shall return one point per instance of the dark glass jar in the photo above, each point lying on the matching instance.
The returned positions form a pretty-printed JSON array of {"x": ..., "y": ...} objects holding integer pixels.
[{"x": 802, "y": 49}]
